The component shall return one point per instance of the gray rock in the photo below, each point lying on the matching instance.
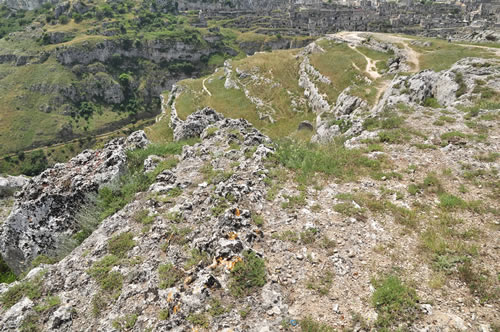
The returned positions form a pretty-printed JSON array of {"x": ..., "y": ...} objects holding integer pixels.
[
  {"x": 305, "y": 125},
  {"x": 195, "y": 123},
  {"x": 10, "y": 184},
  {"x": 13, "y": 318},
  {"x": 61, "y": 318},
  {"x": 43, "y": 216}
]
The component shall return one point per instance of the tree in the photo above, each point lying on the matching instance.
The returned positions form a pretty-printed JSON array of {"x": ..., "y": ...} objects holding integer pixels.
[
  {"x": 63, "y": 19},
  {"x": 77, "y": 17}
]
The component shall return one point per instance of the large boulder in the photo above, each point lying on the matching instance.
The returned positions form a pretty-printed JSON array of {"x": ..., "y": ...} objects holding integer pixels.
[
  {"x": 43, "y": 216},
  {"x": 195, "y": 123},
  {"x": 10, "y": 184}
]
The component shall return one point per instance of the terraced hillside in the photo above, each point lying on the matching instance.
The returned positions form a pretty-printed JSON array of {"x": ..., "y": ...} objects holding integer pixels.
[{"x": 74, "y": 71}]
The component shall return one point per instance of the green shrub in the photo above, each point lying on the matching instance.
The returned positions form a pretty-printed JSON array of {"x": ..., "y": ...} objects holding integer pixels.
[
  {"x": 63, "y": 19},
  {"x": 308, "y": 324},
  {"x": 6, "y": 274},
  {"x": 77, "y": 17},
  {"x": 431, "y": 102},
  {"x": 449, "y": 201},
  {"x": 163, "y": 314},
  {"x": 394, "y": 302},
  {"x": 125, "y": 323},
  {"x": 101, "y": 268},
  {"x": 413, "y": 189},
  {"x": 112, "y": 283},
  {"x": 143, "y": 217},
  {"x": 29, "y": 288},
  {"x": 168, "y": 275},
  {"x": 199, "y": 319},
  {"x": 462, "y": 87},
  {"x": 196, "y": 258},
  {"x": 248, "y": 274},
  {"x": 35, "y": 164},
  {"x": 50, "y": 302},
  {"x": 120, "y": 244}
]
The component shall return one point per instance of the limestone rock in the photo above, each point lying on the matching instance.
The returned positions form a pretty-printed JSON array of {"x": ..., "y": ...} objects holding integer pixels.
[
  {"x": 10, "y": 184},
  {"x": 43, "y": 216},
  {"x": 195, "y": 123}
]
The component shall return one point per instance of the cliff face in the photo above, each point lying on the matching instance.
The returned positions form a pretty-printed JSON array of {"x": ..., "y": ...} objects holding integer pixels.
[
  {"x": 26, "y": 4},
  {"x": 154, "y": 50}
]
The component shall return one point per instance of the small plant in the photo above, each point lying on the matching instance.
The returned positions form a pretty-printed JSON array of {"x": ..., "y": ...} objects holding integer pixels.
[
  {"x": 216, "y": 308},
  {"x": 287, "y": 235},
  {"x": 163, "y": 314},
  {"x": 210, "y": 131},
  {"x": 479, "y": 283},
  {"x": 99, "y": 303},
  {"x": 394, "y": 302},
  {"x": 244, "y": 312},
  {"x": 432, "y": 184},
  {"x": 125, "y": 323},
  {"x": 462, "y": 87},
  {"x": 321, "y": 284},
  {"x": 449, "y": 201},
  {"x": 347, "y": 209},
  {"x": 143, "y": 217},
  {"x": 30, "y": 323},
  {"x": 308, "y": 324},
  {"x": 248, "y": 274},
  {"x": 258, "y": 220},
  {"x": 431, "y": 102},
  {"x": 30, "y": 288},
  {"x": 308, "y": 236},
  {"x": 196, "y": 258},
  {"x": 50, "y": 302},
  {"x": 112, "y": 283},
  {"x": 168, "y": 275},
  {"x": 199, "y": 319},
  {"x": 120, "y": 244},
  {"x": 413, "y": 189}
]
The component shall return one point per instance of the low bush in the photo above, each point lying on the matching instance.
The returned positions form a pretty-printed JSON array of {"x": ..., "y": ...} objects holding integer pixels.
[
  {"x": 394, "y": 302},
  {"x": 248, "y": 274}
]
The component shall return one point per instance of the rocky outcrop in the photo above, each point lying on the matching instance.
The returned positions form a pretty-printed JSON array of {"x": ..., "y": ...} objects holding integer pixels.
[
  {"x": 195, "y": 124},
  {"x": 43, "y": 216},
  {"x": 11, "y": 184},
  {"x": 451, "y": 87},
  {"x": 345, "y": 118},
  {"x": 308, "y": 75},
  {"x": 217, "y": 232}
]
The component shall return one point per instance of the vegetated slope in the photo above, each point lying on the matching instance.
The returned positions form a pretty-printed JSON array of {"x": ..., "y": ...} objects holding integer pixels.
[
  {"x": 80, "y": 70},
  {"x": 390, "y": 223}
]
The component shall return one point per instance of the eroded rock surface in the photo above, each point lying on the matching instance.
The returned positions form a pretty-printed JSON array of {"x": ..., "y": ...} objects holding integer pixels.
[{"x": 43, "y": 215}]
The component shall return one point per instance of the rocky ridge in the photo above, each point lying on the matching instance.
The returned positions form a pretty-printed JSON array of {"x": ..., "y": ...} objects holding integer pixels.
[
  {"x": 43, "y": 216},
  {"x": 218, "y": 214}
]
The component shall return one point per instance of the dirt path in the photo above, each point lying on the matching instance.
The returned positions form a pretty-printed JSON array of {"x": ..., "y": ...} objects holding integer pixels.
[
  {"x": 205, "y": 88},
  {"x": 354, "y": 38},
  {"x": 491, "y": 49},
  {"x": 371, "y": 68}
]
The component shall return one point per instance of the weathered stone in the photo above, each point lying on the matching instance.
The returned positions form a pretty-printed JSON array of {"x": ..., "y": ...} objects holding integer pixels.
[
  {"x": 44, "y": 212},
  {"x": 11, "y": 184}
]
